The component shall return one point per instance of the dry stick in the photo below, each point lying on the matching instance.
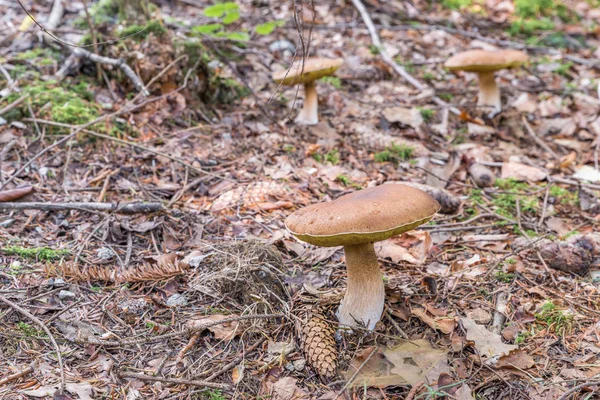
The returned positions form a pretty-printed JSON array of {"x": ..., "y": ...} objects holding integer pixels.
[
  {"x": 33, "y": 318},
  {"x": 13, "y": 104},
  {"x": 16, "y": 375},
  {"x": 500, "y": 313},
  {"x": 537, "y": 139},
  {"x": 191, "y": 343},
  {"x": 125, "y": 208},
  {"x": 389, "y": 61},
  {"x": 577, "y": 388},
  {"x": 192, "y": 329},
  {"x": 143, "y": 377},
  {"x": 135, "y": 145}
]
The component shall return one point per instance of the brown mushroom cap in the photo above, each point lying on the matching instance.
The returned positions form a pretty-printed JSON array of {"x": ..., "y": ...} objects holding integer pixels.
[
  {"x": 314, "y": 68},
  {"x": 485, "y": 61},
  {"x": 368, "y": 215}
]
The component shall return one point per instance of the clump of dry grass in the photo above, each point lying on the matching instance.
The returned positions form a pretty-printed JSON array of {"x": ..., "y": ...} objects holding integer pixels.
[{"x": 246, "y": 272}]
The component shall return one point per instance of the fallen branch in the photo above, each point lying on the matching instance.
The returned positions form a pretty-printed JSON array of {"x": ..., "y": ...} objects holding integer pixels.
[
  {"x": 116, "y": 62},
  {"x": 577, "y": 388},
  {"x": 500, "y": 313},
  {"x": 12, "y": 105},
  {"x": 390, "y": 62},
  {"x": 16, "y": 375},
  {"x": 196, "y": 328},
  {"x": 121, "y": 208},
  {"x": 537, "y": 139},
  {"x": 38, "y": 322},
  {"x": 143, "y": 377}
]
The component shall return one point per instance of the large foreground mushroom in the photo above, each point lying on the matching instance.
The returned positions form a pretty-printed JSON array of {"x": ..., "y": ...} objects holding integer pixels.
[
  {"x": 485, "y": 64},
  {"x": 355, "y": 221},
  {"x": 307, "y": 73}
]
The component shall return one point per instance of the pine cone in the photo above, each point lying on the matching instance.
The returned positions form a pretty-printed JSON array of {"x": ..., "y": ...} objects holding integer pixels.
[{"x": 318, "y": 344}]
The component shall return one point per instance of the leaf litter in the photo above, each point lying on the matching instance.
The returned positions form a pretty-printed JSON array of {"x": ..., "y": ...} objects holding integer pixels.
[{"x": 221, "y": 245}]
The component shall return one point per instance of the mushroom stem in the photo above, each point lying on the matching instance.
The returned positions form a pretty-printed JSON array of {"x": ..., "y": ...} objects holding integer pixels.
[
  {"x": 489, "y": 93},
  {"x": 310, "y": 113},
  {"x": 365, "y": 295}
]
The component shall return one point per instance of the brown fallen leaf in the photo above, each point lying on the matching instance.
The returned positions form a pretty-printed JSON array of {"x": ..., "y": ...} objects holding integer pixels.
[
  {"x": 410, "y": 363},
  {"x": 287, "y": 389},
  {"x": 443, "y": 324},
  {"x": 400, "y": 249},
  {"x": 522, "y": 172},
  {"x": 225, "y": 331},
  {"x": 15, "y": 194},
  {"x": 516, "y": 359},
  {"x": 488, "y": 344}
]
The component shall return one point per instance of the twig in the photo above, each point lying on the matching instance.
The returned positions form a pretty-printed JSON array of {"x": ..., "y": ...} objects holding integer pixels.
[
  {"x": 117, "y": 62},
  {"x": 125, "y": 208},
  {"x": 537, "y": 139},
  {"x": 34, "y": 319},
  {"x": 390, "y": 62},
  {"x": 233, "y": 363},
  {"x": 191, "y": 343},
  {"x": 12, "y": 105},
  {"x": 191, "y": 329},
  {"x": 16, "y": 375},
  {"x": 500, "y": 313},
  {"x": 569, "y": 392},
  {"x": 355, "y": 374},
  {"x": 143, "y": 377}
]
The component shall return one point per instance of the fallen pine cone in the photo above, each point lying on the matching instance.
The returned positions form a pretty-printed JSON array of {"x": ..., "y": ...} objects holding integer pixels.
[{"x": 317, "y": 341}]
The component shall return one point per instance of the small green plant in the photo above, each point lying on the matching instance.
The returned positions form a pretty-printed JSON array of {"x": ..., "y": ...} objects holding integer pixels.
[
  {"x": 457, "y": 4},
  {"x": 564, "y": 68},
  {"x": 446, "y": 96},
  {"x": 564, "y": 196},
  {"x": 476, "y": 196},
  {"x": 558, "y": 321},
  {"x": 530, "y": 26},
  {"x": 332, "y": 157},
  {"x": 395, "y": 154},
  {"x": 427, "y": 114},
  {"x": 504, "y": 277},
  {"x": 37, "y": 253},
  {"x": 343, "y": 179},
  {"x": 334, "y": 81},
  {"x": 288, "y": 148},
  {"x": 506, "y": 201},
  {"x": 213, "y": 395},
  {"x": 226, "y": 14},
  {"x": 139, "y": 32},
  {"x": 29, "y": 330},
  {"x": 428, "y": 76},
  {"x": 374, "y": 49}
]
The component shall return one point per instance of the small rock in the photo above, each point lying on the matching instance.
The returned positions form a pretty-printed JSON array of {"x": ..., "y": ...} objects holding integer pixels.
[
  {"x": 482, "y": 175},
  {"x": 480, "y": 316},
  {"x": 105, "y": 253},
  {"x": 299, "y": 364},
  {"x": 55, "y": 282},
  {"x": 177, "y": 300},
  {"x": 66, "y": 295}
]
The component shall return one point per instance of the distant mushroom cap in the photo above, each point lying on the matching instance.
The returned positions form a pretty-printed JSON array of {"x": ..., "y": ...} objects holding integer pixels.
[
  {"x": 314, "y": 68},
  {"x": 367, "y": 215},
  {"x": 485, "y": 61}
]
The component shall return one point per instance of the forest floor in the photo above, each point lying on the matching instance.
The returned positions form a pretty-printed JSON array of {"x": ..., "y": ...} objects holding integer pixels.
[{"x": 496, "y": 298}]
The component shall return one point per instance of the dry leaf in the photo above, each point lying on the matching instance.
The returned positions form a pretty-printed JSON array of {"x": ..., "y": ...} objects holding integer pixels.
[
  {"x": 406, "y": 116},
  {"x": 286, "y": 389},
  {"x": 396, "y": 248},
  {"x": 224, "y": 331},
  {"x": 409, "y": 363},
  {"x": 443, "y": 324},
  {"x": 516, "y": 359},
  {"x": 522, "y": 172},
  {"x": 488, "y": 344},
  {"x": 237, "y": 374},
  {"x": 15, "y": 194}
]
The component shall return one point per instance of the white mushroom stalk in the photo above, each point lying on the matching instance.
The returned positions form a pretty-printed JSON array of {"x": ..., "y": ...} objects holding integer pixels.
[
  {"x": 489, "y": 92},
  {"x": 310, "y": 109},
  {"x": 365, "y": 295}
]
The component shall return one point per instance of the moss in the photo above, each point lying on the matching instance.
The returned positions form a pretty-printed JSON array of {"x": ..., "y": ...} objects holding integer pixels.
[
  {"x": 557, "y": 320},
  {"x": 394, "y": 153},
  {"x": 69, "y": 103},
  {"x": 564, "y": 196},
  {"x": 504, "y": 277},
  {"x": 334, "y": 81},
  {"x": 427, "y": 114},
  {"x": 37, "y": 253},
  {"x": 457, "y": 4},
  {"x": 140, "y": 32},
  {"x": 29, "y": 330},
  {"x": 43, "y": 53}
]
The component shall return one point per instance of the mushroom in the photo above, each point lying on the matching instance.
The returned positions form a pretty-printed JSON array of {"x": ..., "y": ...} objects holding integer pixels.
[
  {"x": 307, "y": 73},
  {"x": 485, "y": 64},
  {"x": 355, "y": 221}
]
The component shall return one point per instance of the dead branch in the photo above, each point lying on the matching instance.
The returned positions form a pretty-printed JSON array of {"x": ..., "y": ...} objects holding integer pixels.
[
  {"x": 12, "y": 105},
  {"x": 143, "y": 377},
  {"x": 500, "y": 314},
  {"x": 38, "y": 322},
  {"x": 121, "y": 208},
  {"x": 16, "y": 375},
  {"x": 390, "y": 62}
]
